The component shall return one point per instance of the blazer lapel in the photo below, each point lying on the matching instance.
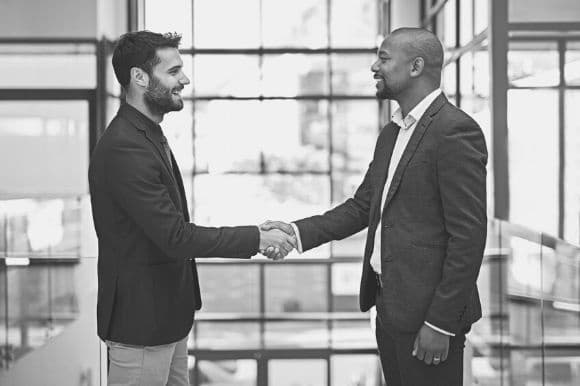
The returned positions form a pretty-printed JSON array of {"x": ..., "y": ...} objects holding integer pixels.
[
  {"x": 384, "y": 154},
  {"x": 177, "y": 175},
  {"x": 414, "y": 141}
]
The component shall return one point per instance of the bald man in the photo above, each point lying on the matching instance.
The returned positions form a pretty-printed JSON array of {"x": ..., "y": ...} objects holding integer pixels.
[{"x": 423, "y": 199}]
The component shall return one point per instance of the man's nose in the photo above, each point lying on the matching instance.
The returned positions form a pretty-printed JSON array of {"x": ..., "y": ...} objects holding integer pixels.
[{"x": 185, "y": 80}]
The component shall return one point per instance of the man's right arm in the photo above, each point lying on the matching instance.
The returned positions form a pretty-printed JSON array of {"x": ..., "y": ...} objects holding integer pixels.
[
  {"x": 134, "y": 181},
  {"x": 342, "y": 221}
]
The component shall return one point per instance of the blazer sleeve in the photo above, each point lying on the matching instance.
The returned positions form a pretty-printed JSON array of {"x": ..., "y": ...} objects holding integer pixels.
[
  {"x": 134, "y": 181},
  {"x": 344, "y": 220},
  {"x": 461, "y": 169}
]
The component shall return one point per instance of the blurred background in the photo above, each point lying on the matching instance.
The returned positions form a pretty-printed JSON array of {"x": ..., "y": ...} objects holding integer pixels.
[{"x": 280, "y": 122}]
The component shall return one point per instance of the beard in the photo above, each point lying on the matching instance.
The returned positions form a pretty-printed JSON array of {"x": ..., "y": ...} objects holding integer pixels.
[
  {"x": 159, "y": 98},
  {"x": 386, "y": 92}
]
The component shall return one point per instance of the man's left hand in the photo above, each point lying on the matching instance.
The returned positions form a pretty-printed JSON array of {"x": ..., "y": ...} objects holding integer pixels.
[{"x": 431, "y": 346}]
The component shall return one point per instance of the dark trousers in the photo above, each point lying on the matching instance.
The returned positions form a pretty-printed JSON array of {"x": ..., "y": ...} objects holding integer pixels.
[{"x": 401, "y": 368}]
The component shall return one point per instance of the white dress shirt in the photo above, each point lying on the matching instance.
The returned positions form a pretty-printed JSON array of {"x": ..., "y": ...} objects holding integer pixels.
[{"x": 407, "y": 125}]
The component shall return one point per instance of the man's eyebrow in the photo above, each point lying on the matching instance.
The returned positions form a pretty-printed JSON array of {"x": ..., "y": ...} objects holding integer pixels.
[{"x": 176, "y": 67}]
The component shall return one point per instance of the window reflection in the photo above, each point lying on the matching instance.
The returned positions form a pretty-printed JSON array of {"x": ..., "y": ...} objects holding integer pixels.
[
  {"x": 298, "y": 334},
  {"x": 216, "y": 335},
  {"x": 533, "y": 64},
  {"x": 295, "y": 75},
  {"x": 63, "y": 66},
  {"x": 353, "y": 23},
  {"x": 533, "y": 161},
  {"x": 300, "y": 23},
  {"x": 56, "y": 132},
  {"x": 225, "y": 75},
  {"x": 271, "y": 135},
  {"x": 232, "y": 31},
  {"x": 572, "y": 64},
  {"x": 571, "y": 169},
  {"x": 161, "y": 18},
  {"x": 235, "y": 372},
  {"x": 355, "y": 131},
  {"x": 292, "y": 288},
  {"x": 356, "y": 370},
  {"x": 351, "y": 74},
  {"x": 297, "y": 372},
  {"x": 227, "y": 290}
]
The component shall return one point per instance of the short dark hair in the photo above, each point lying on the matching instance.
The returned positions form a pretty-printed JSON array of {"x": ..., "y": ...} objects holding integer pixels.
[{"x": 139, "y": 49}]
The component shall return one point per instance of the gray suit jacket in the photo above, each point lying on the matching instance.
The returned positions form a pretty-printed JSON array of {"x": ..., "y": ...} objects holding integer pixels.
[{"x": 434, "y": 222}]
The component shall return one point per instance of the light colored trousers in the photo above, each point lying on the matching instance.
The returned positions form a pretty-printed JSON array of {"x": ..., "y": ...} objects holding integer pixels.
[{"x": 164, "y": 365}]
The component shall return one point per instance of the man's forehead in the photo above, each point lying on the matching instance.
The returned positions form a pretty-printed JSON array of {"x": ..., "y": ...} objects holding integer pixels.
[{"x": 168, "y": 56}]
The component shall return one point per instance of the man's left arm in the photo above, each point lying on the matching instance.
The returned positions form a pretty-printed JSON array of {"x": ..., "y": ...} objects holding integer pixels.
[{"x": 461, "y": 171}]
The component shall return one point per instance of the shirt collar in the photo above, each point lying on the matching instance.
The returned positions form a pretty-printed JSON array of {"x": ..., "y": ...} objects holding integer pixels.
[{"x": 417, "y": 112}]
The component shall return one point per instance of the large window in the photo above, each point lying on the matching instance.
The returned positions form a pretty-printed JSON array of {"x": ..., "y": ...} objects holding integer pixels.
[{"x": 280, "y": 122}]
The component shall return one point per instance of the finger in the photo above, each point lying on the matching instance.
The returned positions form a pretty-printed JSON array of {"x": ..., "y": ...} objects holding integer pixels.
[
  {"x": 428, "y": 357},
  {"x": 415, "y": 345},
  {"x": 436, "y": 359},
  {"x": 266, "y": 226},
  {"x": 420, "y": 353}
]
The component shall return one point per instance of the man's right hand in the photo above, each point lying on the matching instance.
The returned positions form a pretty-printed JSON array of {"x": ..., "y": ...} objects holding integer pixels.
[
  {"x": 272, "y": 251},
  {"x": 277, "y": 242}
]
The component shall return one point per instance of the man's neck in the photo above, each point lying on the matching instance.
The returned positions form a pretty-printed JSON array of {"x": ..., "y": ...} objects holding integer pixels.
[
  {"x": 139, "y": 104},
  {"x": 412, "y": 98}
]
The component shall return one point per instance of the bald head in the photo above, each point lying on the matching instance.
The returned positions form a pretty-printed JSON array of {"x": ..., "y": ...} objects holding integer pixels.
[{"x": 421, "y": 43}]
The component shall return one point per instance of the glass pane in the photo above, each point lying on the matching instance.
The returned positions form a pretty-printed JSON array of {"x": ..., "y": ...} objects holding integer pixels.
[
  {"x": 572, "y": 66},
  {"x": 295, "y": 75},
  {"x": 561, "y": 366},
  {"x": 226, "y": 335},
  {"x": 533, "y": 161},
  {"x": 536, "y": 11},
  {"x": 351, "y": 74},
  {"x": 525, "y": 367},
  {"x": 250, "y": 199},
  {"x": 354, "y": 23},
  {"x": 159, "y": 17},
  {"x": 241, "y": 294},
  {"x": 292, "y": 288},
  {"x": 533, "y": 64},
  {"x": 345, "y": 286},
  {"x": 353, "y": 335},
  {"x": 296, "y": 335},
  {"x": 226, "y": 75},
  {"x": 113, "y": 104},
  {"x": 465, "y": 22},
  {"x": 297, "y": 372},
  {"x": 63, "y": 66},
  {"x": 449, "y": 80},
  {"x": 481, "y": 15},
  {"x": 571, "y": 169},
  {"x": 235, "y": 372},
  {"x": 355, "y": 131},
  {"x": 44, "y": 300},
  {"x": 355, "y": 370},
  {"x": 238, "y": 26},
  {"x": 299, "y": 23},
  {"x": 5, "y": 353},
  {"x": 44, "y": 139},
  {"x": 252, "y": 131},
  {"x": 42, "y": 228},
  {"x": 561, "y": 285},
  {"x": 524, "y": 292},
  {"x": 446, "y": 25}
]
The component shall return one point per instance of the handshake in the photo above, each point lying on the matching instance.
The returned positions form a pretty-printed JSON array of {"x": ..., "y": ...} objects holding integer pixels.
[{"x": 277, "y": 239}]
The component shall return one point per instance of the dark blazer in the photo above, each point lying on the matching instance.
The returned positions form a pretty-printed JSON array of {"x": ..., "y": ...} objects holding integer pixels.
[
  {"x": 434, "y": 222},
  {"x": 148, "y": 284}
]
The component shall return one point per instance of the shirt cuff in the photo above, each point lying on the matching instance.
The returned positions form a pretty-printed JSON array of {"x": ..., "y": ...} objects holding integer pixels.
[
  {"x": 298, "y": 241},
  {"x": 439, "y": 330}
]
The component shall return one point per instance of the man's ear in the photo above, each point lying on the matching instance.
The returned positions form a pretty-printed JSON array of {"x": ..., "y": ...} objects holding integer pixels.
[
  {"x": 140, "y": 77},
  {"x": 417, "y": 66}
]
